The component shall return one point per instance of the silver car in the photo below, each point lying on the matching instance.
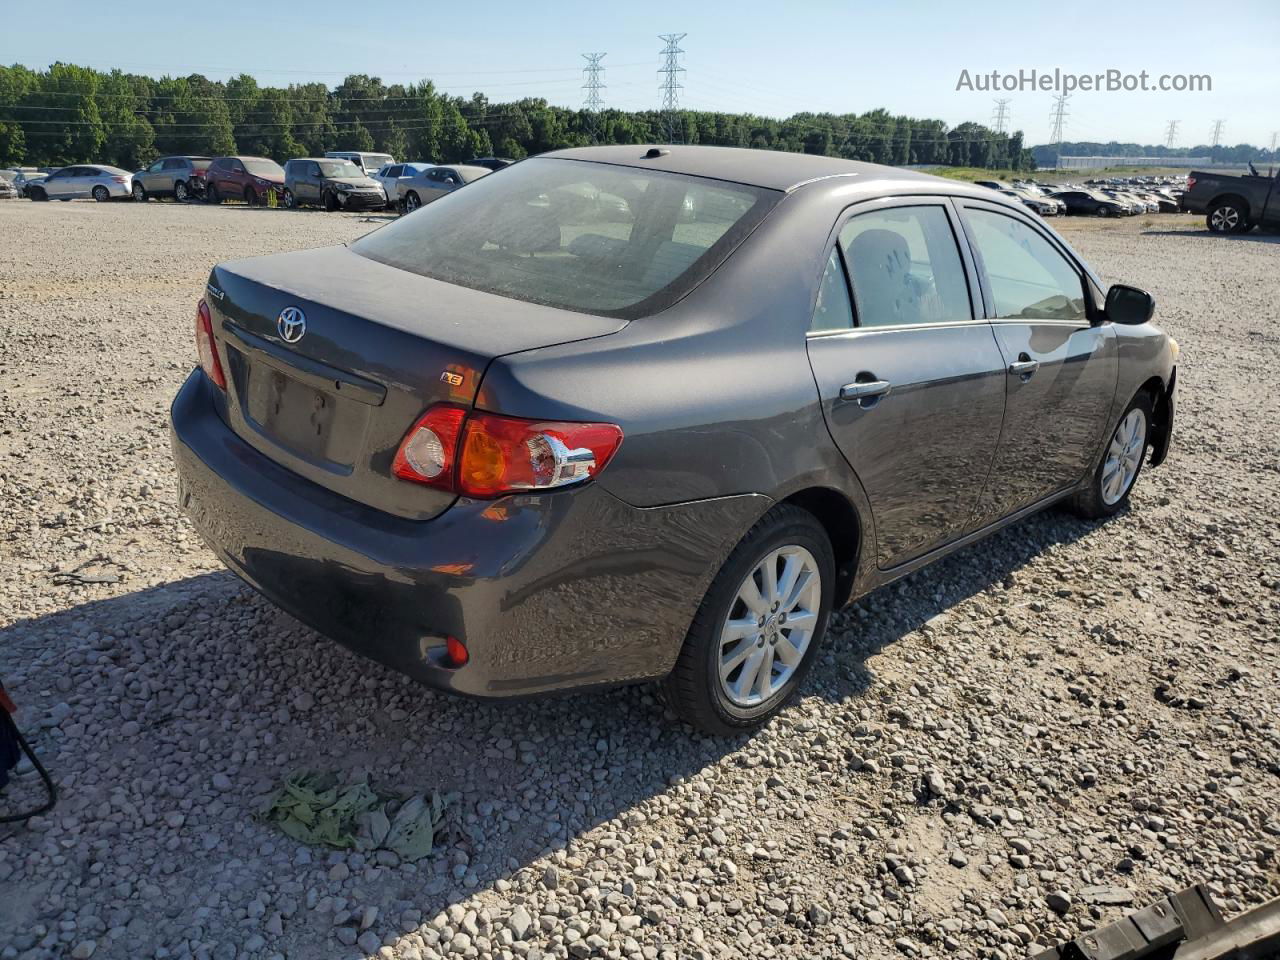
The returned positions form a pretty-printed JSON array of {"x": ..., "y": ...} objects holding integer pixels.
[
  {"x": 177, "y": 177},
  {"x": 389, "y": 173},
  {"x": 433, "y": 183},
  {"x": 99, "y": 181}
]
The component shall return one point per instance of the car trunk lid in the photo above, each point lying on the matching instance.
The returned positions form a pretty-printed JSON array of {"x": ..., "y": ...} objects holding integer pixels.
[{"x": 331, "y": 357}]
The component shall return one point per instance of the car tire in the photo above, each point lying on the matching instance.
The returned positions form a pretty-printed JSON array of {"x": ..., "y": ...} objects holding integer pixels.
[
  {"x": 330, "y": 202},
  {"x": 288, "y": 200},
  {"x": 211, "y": 194},
  {"x": 1111, "y": 482},
  {"x": 139, "y": 193},
  {"x": 180, "y": 192},
  {"x": 1227, "y": 216},
  {"x": 101, "y": 194},
  {"x": 37, "y": 194},
  {"x": 250, "y": 197},
  {"x": 411, "y": 201},
  {"x": 701, "y": 687},
  {"x": 1103, "y": 211}
]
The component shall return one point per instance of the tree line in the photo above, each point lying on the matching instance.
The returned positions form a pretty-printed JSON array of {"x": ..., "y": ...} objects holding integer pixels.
[
  {"x": 1047, "y": 154},
  {"x": 72, "y": 114}
]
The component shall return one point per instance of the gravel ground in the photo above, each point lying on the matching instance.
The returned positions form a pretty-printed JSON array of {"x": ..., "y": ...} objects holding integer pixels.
[{"x": 998, "y": 752}]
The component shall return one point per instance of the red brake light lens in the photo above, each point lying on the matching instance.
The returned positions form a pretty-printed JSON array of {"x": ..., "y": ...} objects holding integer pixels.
[
  {"x": 206, "y": 348},
  {"x": 484, "y": 455},
  {"x": 428, "y": 452}
]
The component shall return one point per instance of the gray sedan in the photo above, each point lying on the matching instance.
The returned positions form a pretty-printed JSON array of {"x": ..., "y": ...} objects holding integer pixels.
[
  {"x": 661, "y": 429},
  {"x": 433, "y": 183}
]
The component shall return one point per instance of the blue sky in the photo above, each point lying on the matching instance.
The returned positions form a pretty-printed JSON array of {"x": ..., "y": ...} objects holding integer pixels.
[{"x": 773, "y": 58}]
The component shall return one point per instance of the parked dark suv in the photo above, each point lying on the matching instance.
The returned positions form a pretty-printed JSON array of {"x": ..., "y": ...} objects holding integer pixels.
[
  {"x": 330, "y": 183},
  {"x": 177, "y": 177},
  {"x": 242, "y": 178}
]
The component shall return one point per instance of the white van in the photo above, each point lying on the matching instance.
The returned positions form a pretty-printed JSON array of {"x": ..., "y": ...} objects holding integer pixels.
[{"x": 370, "y": 163}]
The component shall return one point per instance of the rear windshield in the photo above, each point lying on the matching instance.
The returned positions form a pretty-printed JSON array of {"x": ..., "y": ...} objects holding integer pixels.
[
  {"x": 596, "y": 238},
  {"x": 200, "y": 164}
]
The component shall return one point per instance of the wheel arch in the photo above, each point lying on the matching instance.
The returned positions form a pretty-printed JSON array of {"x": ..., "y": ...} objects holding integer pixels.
[
  {"x": 840, "y": 518},
  {"x": 1162, "y": 415},
  {"x": 1223, "y": 197}
]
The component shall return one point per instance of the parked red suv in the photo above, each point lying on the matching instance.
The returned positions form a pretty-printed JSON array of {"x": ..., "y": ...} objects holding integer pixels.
[{"x": 245, "y": 178}]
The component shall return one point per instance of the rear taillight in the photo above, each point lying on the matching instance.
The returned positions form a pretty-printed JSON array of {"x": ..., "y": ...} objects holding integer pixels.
[
  {"x": 1191, "y": 182},
  {"x": 120, "y": 179},
  {"x": 206, "y": 349},
  {"x": 485, "y": 455}
]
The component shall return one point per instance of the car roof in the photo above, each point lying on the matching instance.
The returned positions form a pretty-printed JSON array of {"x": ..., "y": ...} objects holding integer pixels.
[{"x": 771, "y": 169}]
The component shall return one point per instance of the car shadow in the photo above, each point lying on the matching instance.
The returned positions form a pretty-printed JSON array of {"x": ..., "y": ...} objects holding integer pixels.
[{"x": 206, "y": 669}]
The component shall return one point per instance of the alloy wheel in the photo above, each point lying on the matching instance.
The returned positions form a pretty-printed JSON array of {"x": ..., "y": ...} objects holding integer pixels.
[
  {"x": 1124, "y": 457},
  {"x": 769, "y": 625},
  {"x": 100, "y": 194},
  {"x": 180, "y": 192},
  {"x": 1225, "y": 219},
  {"x": 138, "y": 193}
]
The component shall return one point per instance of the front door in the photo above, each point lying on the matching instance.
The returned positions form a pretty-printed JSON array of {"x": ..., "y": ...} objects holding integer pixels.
[
  {"x": 911, "y": 380},
  {"x": 1060, "y": 368}
]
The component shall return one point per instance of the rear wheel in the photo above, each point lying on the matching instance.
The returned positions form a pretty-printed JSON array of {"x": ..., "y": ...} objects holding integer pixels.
[
  {"x": 1117, "y": 472},
  {"x": 101, "y": 194},
  {"x": 180, "y": 193},
  {"x": 759, "y": 627},
  {"x": 139, "y": 193},
  {"x": 1227, "y": 216}
]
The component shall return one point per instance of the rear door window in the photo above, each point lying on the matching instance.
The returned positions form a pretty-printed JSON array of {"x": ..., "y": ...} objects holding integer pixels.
[
  {"x": 905, "y": 267},
  {"x": 833, "y": 311},
  {"x": 597, "y": 238}
]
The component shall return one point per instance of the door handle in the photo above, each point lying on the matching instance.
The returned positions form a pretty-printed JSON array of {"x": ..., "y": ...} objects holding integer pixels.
[
  {"x": 865, "y": 389},
  {"x": 1024, "y": 367}
]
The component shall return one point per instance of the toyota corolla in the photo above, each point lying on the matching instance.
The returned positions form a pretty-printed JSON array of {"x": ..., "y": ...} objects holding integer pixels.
[{"x": 623, "y": 414}]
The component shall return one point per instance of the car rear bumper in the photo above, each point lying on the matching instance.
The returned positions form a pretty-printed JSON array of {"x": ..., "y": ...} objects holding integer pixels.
[{"x": 548, "y": 592}]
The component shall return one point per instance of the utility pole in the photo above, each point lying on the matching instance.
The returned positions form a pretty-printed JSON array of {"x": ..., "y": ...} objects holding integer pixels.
[
  {"x": 671, "y": 85},
  {"x": 1275, "y": 135},
  {"x": 1000, "y": 117},
  {"x": 593, "y": 73},
  {"x": 1171, "y": 133},
  {"x": 1217, "y": 131},
  {"x": 1058, "y": 115}
]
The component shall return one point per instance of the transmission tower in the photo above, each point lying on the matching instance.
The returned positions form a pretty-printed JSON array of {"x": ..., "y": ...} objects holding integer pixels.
[
  {"x": 1059, "y": 116},
  {"x": 1275, "y": 135},
  {"x": 1217, "y": 131},
  {"x": 1000, "y": 116},
  {"x": 671, "y": 86},
  {"x": 593, "y": 73},
  {"x": 1171, "y": 133}
]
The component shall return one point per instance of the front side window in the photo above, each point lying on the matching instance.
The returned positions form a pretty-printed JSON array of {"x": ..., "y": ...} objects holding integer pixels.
[
  {"x": 905, "y": 268},
  {"x": 156, "y": 167},
  {"x": 597, "y": 238},
  {"x": 833, "y": 310},
  {"x": 1029, "y": 279}
]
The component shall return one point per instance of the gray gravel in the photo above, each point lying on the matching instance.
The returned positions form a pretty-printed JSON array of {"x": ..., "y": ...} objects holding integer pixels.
[{"x": 1001, "y": 751}]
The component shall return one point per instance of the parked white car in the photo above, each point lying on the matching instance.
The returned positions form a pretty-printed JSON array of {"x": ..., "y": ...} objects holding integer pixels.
[
  {"x": 99, "y": 181},
  {"x": 388, "y": 174}
]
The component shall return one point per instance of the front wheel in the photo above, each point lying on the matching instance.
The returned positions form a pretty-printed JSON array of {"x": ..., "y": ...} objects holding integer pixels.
[
  {"x": 211, "y": 194},
  {"x": 1227, "y": 217},
  {"x": 330, "y": 201},
  {"x": 101, "y": 194},
  {"x": 139, "y": 194},
  {"x": 289, "y": 202},
  {"x": 759, "y": 627},
  {"x": 37, "y": 193},
  {"x": 250, "y": 197},
  {"x": 1117, "y": 472}
]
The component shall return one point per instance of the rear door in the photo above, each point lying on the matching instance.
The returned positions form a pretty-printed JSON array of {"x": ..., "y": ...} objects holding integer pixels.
[
  {"x": 911, "y": 379},
  {"x": 1061, "y": 368}
]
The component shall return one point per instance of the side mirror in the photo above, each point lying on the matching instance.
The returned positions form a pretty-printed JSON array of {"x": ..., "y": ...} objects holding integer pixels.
[{"x": 1129, "y": 305}]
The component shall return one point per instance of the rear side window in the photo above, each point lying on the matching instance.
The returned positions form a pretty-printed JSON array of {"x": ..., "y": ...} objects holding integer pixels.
[
  {"x": 833, "y": 310},
  {"x": 175, "y": 163},
  {"x": 597, "y": 238},
  {"x": 905, "y": 267},
  {"x": 1029, "y": 279}
]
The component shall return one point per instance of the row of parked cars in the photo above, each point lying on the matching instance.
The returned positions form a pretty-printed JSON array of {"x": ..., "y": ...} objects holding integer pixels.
[
  {"x": 340, "y": 180},
  {"x": 1115, "y": 197}
]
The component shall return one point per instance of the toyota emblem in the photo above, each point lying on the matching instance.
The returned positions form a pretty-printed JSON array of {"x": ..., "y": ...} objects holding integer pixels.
[{"x": 291, "y": 324}]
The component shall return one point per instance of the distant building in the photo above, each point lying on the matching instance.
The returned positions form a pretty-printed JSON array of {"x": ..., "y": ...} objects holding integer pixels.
[{"x": 1092, "y": 163}]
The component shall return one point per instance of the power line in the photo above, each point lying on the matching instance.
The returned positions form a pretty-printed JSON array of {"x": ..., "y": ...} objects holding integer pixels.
[
  {"x": 671, "y": 85},
  {"x": 1171, "y": 133},
  {"x": 1000, "y": 117},
  {"x": 1217, "y": 131}
]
